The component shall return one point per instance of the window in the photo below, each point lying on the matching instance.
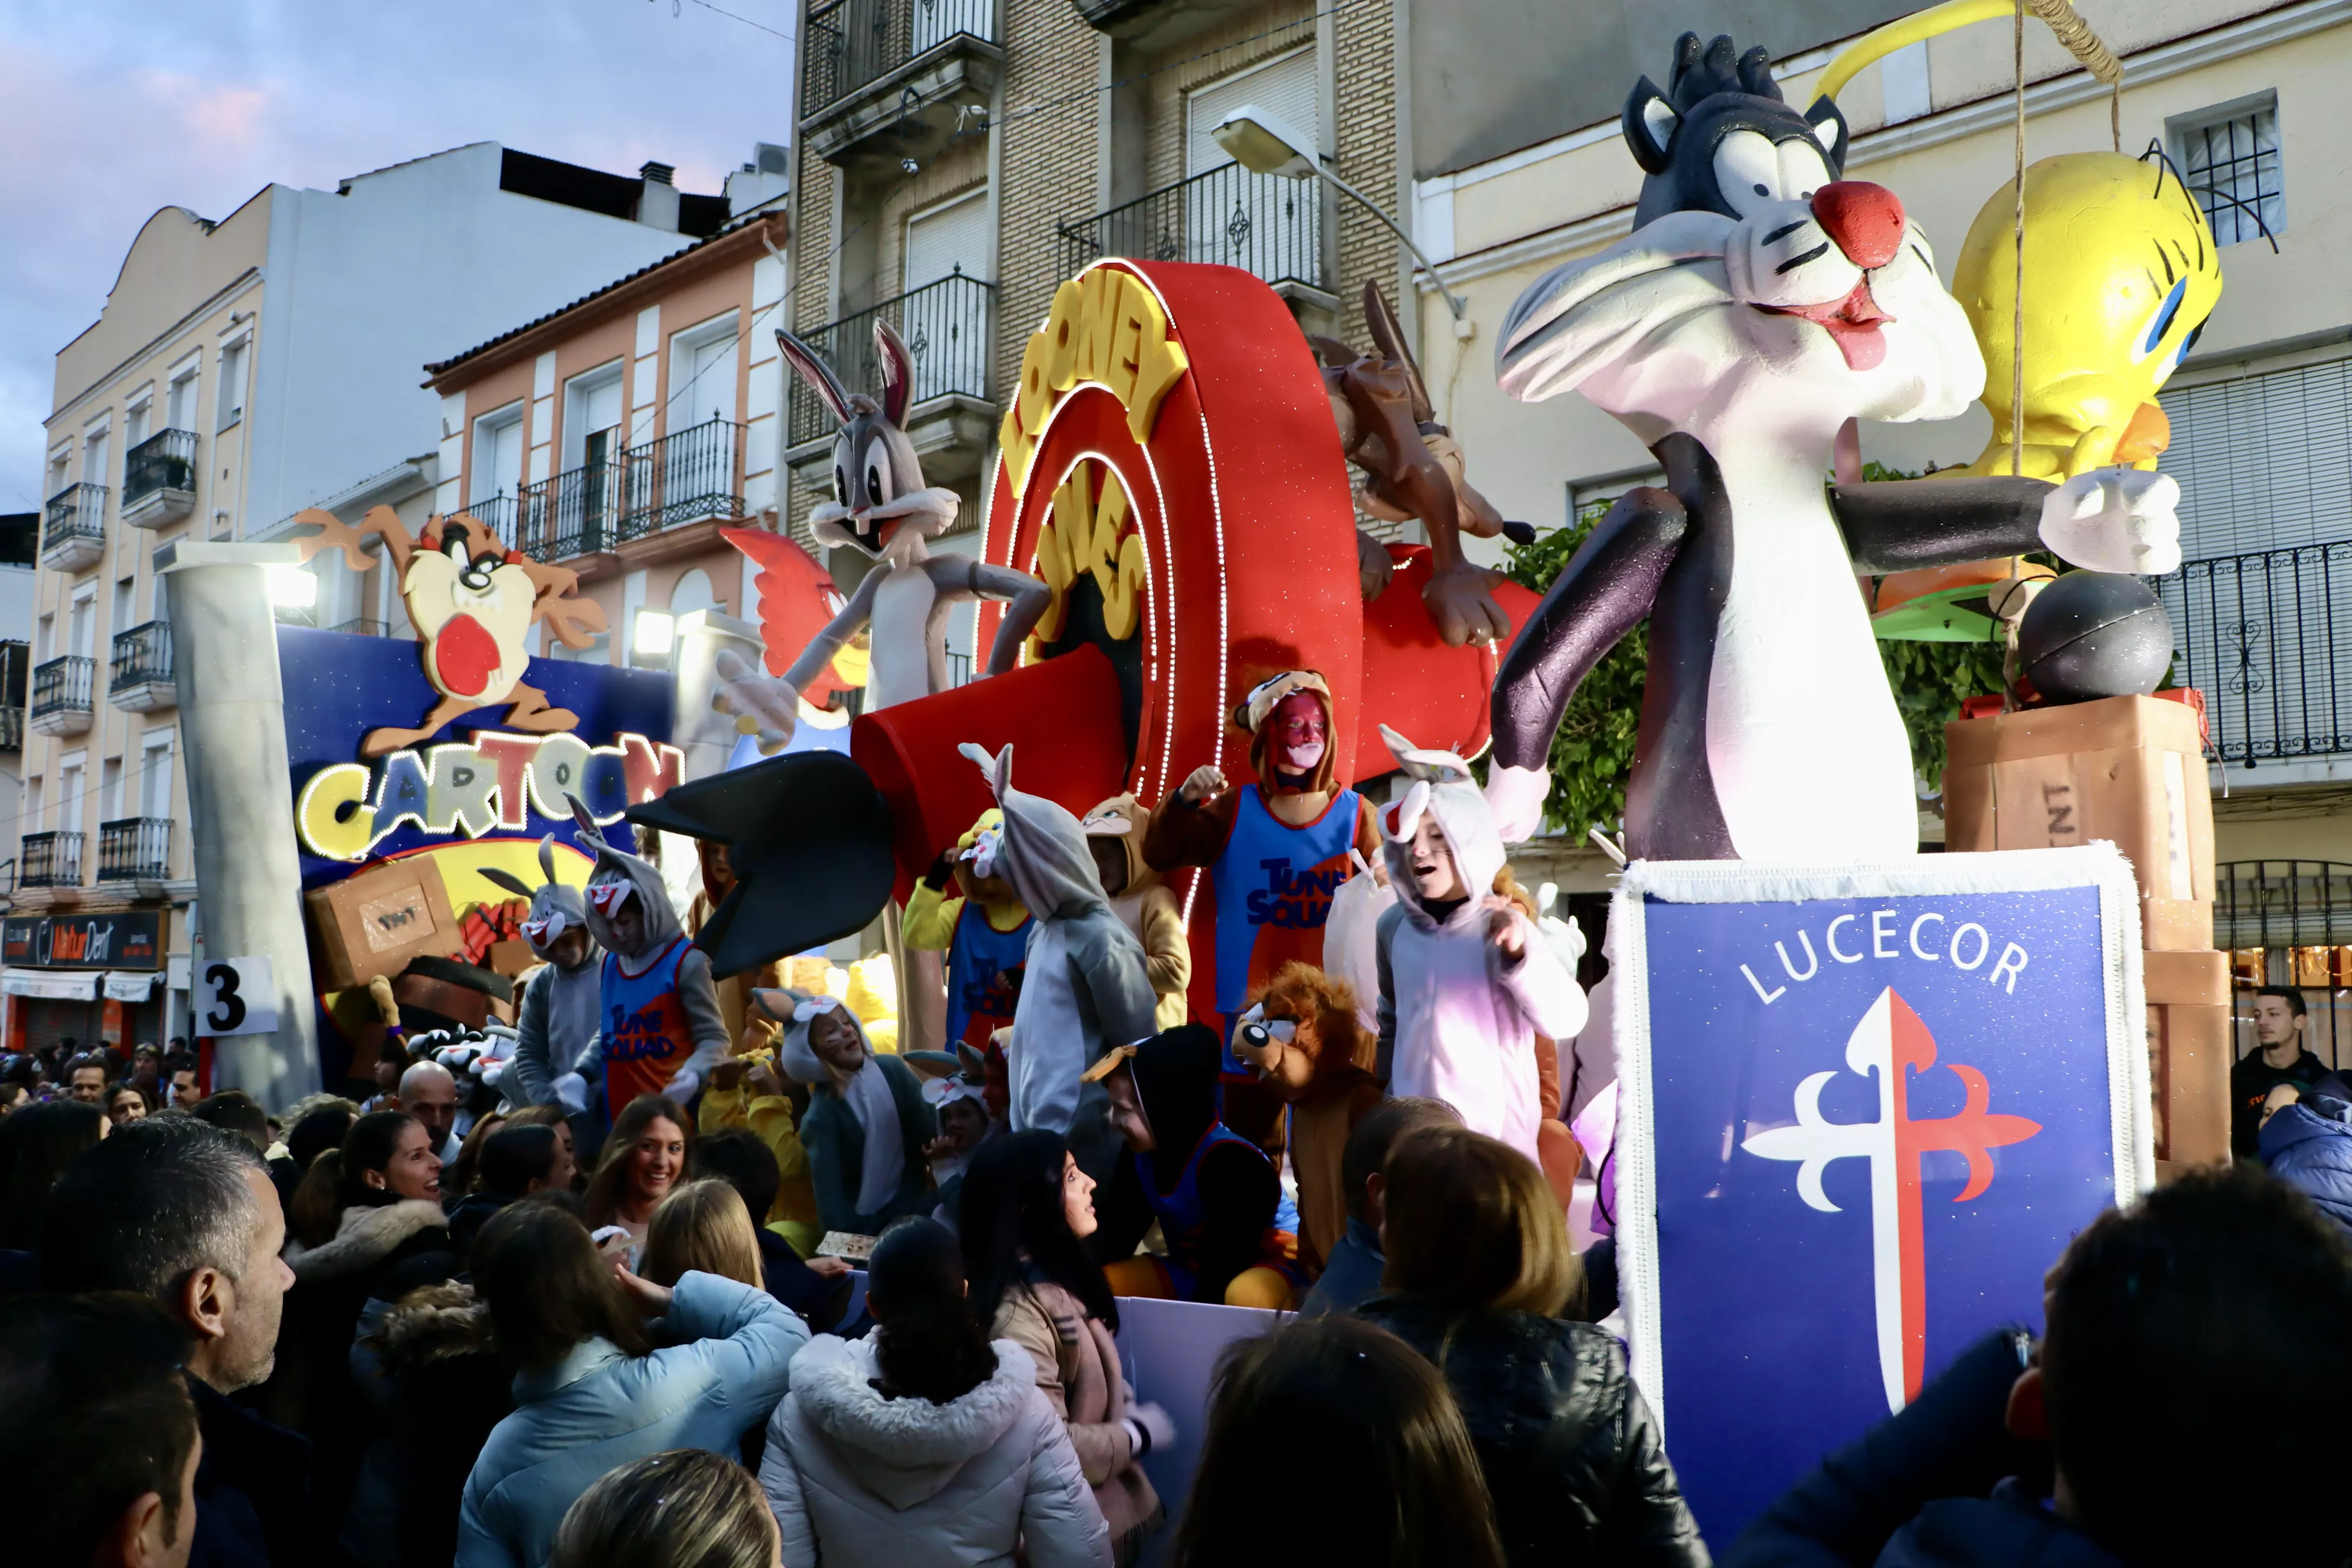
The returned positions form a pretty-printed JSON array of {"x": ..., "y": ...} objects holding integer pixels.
[
  {"x": 180, "y": 402},
  {"x": 44, "y": 641},
  {"x": 702, "y": 361},
  {"x": 93, "y": 456},
  {"x": 82, "y": 625},
  {"x": 2229, "y": 155},
  {"x": 109, "y": 790},
  {"x": 135, "y": 422},
  {"x": 232, "y": 385},
  {"x": 60, "y": 467},
  {"x": 946, "y": 328},
  {"x": 497, "y": 454},
  {"x": 155, "y": 774},
  {"x": 2265, "y": 461},
  {"x": 69, "y": 776},
  {"x": 124, "y": 600},
  {"x": 592, "y": 417},
  {"x": 1263, "y": 224}
]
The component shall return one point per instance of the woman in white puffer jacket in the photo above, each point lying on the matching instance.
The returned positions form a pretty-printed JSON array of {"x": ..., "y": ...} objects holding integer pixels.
[{"x": 924, "y": 1446}]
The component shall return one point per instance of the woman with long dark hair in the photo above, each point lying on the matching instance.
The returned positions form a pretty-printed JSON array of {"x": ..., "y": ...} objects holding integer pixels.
[
  {"x": 649, "y": 1152},
  {"x": 923, "y": 1443},
  {"x": 594, "y": 1391},
  {"x": 37, "y": 1144},
  {"x": 1027, "y": 1211}
]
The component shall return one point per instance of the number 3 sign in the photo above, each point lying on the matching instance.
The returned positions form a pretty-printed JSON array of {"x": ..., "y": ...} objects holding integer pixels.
[{"x": 236, "y": 996}]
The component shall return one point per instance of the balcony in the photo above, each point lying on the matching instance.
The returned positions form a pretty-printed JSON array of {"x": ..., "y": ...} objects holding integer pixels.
[
  {"x": 159, "y": 479},
  {"x": 133, "y": 849},
  {"x": 141, "y": 679},
  {"x": 495, "y": 513},
  {"x": 51, "y": 860},
  {"x": 2267, "y": 637},
  {"x": 886, "y": 79},
  {"x": 945, "y": 327},
  {"x": 61, "y": 702},
  {"x": 684, "y": 477},
  {"x": 15, "y": 669},
  {"x": 1265, "y": 225},
  {"x": 74, "y": 534}
]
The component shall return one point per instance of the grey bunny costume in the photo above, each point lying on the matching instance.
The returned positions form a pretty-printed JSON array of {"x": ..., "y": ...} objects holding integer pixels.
[
  {"x": 618, "y": 878},
  {"x": 558, "y": 1018}
]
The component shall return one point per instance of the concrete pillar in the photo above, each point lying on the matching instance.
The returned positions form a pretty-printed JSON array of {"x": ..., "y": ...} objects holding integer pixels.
[
  {"x": 707, "y": 738},
  {"x": 240, "y": 801}
]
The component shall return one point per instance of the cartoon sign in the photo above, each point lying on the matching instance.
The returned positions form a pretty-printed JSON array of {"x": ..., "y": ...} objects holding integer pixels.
[{"x": 1864, "y": 1110}]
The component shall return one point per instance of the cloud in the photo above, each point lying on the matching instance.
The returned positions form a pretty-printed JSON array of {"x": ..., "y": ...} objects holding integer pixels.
[{"x": 111, "y": 112}]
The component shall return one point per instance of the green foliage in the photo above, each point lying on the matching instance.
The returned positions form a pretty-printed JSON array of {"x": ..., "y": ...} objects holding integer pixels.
[{"x": 1592, "y": 754}]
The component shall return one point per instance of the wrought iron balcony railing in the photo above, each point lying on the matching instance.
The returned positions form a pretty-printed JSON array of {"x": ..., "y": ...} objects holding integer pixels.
[
  {"x": 853, "y": 42},
  {"x": 12, "y": 728},
  {"x": 496, "y": 513},
  {"x": 1263, "y": 224},
  {"x": 141, "y": 656},
  {"x": 682, "y": 477},
  {"x": 165, "y": 461},
  {"x": 134, "y": 850},
  {"x": 2267, "y": 637},
  {"x": 63, "y": 686},
  {"x": 945, "y": 328},
  {"x": 51, "y": 860},
  {"x": 73, "y": 534}
]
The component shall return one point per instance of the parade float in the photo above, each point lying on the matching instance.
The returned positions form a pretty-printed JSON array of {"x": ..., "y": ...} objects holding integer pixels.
[{"x": 1892, "y": 1084}]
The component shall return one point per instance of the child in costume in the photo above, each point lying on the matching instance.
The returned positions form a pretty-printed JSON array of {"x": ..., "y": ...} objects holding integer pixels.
[
  {"x": 1231, "y": 1231},
  {"x": 560, "y": 1004},
  {"x": 1467, "y": 980},
  {"x": 1144, "y": 903},
  {"x": 1084, "y": 988},
  {"x": 959, "y": 1100},
  {"x": 1277, "y": 850},
  {"x": 984, "y": 930},
  {"x": 867, "y": 1125},
  {"x": 659, "y": 1027},
  {"x": 1302, "y": 1035},
  {"x": 744, "y": 1092}
]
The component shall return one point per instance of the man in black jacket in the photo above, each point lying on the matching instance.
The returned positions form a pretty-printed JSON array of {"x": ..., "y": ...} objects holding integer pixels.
[
  {"x": 2279, "y": 1057},
  {"x": 184, "y": 1213},
  {"x": 2195, "y": 1355}
]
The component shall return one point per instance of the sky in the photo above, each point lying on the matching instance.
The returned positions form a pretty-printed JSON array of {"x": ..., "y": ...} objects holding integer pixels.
[{"x": 112, "y": 110}]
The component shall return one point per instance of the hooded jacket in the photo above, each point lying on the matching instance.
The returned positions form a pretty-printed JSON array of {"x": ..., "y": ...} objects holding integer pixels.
[
  {"x": 558, "y": 1018},
  {"x": 444, "y": 1389},
  {"x": 857, "y": 1479},
  {"x": 1084, "y": 987},
  {"x": 1458, "y": 1021},
  {"x": 2308, "y": 1145},
  {"x": 726, "y": 1366},
  {"x": 697, "y": 996},
  {"x": 1147, "y": 906},
  {"x": 839, "y": 1132}
]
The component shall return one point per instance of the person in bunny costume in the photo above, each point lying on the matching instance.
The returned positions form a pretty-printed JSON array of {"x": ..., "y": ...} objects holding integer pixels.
[
  {"x": 1085, "y": 988},
  {"x": 559, "y": 1013},
  {"x": 1467, "y": 980},
  {"x": 659, "y": 1027}
]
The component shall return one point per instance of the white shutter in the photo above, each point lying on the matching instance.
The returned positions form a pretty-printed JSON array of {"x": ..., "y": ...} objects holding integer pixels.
[
  {"x": 2263, "y": 461},
  {"x": 1284, "y": 87},
  {"x": 945, "y": 240}
]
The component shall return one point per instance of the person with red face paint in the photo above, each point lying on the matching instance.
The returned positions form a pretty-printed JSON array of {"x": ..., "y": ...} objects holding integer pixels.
[{"x": 1277, "y": 850}]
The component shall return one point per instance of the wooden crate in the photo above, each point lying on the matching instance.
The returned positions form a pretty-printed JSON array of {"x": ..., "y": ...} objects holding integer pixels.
[
  {"x": 2189, "y": 1055},
  {"x": 374, "y": 923}
]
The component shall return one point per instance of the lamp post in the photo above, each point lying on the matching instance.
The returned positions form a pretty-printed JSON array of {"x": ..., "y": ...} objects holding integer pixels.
[{"x": 1263, "y": 144}]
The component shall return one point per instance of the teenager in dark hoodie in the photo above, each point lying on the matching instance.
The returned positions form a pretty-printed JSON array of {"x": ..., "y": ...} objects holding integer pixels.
[
  {"x": 2195, "y": 1362},
  {"x": 1231, "y": 1231}
]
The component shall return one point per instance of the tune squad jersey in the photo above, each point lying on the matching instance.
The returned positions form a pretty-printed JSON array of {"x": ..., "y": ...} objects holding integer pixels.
[
  {"x": 1274, "y": 885},
  {"x": 985, "y": 968},
  {"x": 646, "y": 1039}
]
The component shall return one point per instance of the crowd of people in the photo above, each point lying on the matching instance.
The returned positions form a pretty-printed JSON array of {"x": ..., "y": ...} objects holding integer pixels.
[{"x": 226, "y": 1341}]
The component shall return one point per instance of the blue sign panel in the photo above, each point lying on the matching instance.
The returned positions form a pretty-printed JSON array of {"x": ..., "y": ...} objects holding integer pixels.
[{"x": 1867, "y": 1125}]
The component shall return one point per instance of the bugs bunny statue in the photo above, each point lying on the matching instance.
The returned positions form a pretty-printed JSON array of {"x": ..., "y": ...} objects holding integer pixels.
[{"x": 881, "y": 508}]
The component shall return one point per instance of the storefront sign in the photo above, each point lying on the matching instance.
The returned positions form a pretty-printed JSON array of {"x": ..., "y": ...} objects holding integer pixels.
[{"x": 131, "y": 940}]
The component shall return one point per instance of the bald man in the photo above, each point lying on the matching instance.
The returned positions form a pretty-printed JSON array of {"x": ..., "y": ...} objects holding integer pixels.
[{"x": 428, "y": 1093}]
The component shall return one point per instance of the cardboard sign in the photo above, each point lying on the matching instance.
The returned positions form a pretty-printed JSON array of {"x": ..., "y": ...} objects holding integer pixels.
[
  {"x": 1862, "y": 1109},
  {"x": 374, "y": 923},
  {"x": 235, "y": 996}
]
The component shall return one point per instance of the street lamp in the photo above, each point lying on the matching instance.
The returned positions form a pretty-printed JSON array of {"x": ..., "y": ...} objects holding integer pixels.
[{"x": 1261, "y": 143}]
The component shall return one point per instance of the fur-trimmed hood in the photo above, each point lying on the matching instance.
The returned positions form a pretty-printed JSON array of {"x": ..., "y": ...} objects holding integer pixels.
[
  {"x": 363, "y": 1238},
  {"x": 905, "y": 1451},
  {"x": 433, "y": 1324}
]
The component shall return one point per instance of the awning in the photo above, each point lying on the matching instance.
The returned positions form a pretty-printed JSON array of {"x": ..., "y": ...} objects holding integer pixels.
[
  {"x": 131, "y": 984},
  {"x": 54, "y": 987}
]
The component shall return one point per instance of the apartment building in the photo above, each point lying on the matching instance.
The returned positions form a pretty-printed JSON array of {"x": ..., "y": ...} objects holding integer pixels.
[
  {"x": 2243, "y": 97},
  {"x": 620, "y": 434},
  {"x": 244, "y": 368},
  {"x": 959, "y": 158}
]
